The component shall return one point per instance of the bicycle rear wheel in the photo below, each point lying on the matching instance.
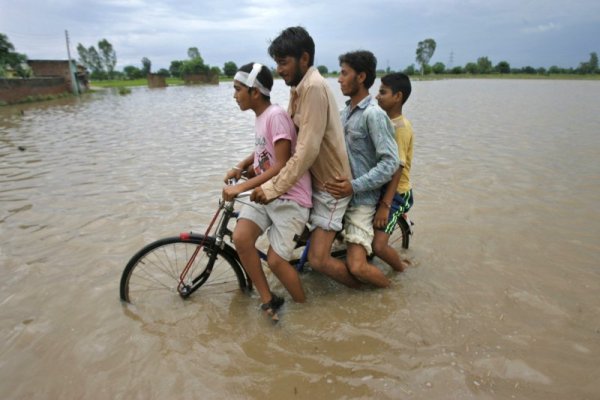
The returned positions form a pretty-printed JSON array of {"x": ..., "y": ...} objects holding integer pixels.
[
  {"x": 401, "y": 234},
  {"x": 153, "y": 273}
]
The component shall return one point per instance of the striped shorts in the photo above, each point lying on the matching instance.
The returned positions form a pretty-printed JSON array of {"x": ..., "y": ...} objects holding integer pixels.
[{"x": 401, "y": 203}]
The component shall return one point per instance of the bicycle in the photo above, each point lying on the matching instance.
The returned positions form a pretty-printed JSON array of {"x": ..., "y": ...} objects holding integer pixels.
[{"x": 182, "y": 264}]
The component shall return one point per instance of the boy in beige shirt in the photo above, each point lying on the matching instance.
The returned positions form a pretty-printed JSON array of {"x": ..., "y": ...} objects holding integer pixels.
[{"x": 320, "y": 148}]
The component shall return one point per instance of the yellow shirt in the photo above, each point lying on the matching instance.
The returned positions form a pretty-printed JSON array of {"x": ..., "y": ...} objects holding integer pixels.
[
  {"x": 320, "y": 147},
  {"x": 404, "y": 138}
]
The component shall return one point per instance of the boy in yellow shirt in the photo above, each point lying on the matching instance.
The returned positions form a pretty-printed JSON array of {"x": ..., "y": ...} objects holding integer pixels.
[{"x": 397, "y": 196}]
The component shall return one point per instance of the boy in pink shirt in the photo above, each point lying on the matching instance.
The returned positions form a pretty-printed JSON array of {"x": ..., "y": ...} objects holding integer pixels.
[{"x": 286, "y": 216}]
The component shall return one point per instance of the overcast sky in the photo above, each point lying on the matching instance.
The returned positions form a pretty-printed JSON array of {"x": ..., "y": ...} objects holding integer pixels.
[{"x": 538, "y": 33}]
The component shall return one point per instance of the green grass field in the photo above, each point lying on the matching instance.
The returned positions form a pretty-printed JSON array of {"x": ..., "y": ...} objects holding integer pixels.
[{"x": 178, "y": 81}]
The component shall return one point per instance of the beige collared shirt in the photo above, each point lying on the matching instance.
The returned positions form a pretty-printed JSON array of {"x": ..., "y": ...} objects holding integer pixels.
[{"x": 321, "y": 146}]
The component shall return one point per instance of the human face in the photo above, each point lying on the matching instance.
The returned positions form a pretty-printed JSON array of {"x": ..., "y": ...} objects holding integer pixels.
[
  {"x": 289, "y": 70},
  {"x": 348, "y": 80},
  {"x": 386, "y": 98},
  {"x": 241, "y": 94}
]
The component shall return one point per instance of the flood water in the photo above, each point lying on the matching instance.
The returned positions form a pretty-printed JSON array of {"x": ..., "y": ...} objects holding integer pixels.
[{"x": 502, "y": 300}]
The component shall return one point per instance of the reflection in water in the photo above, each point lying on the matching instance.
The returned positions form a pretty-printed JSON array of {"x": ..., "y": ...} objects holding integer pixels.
[{"x": 501, "y": 301}]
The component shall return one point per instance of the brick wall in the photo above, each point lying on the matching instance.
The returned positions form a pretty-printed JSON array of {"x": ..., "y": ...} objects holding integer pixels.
[
  {"x": 42, "y": 68},
  {"x": 15, "y": 90},
  {"x": 156, "y": 81},
  {"x": 194, "y": 79}
]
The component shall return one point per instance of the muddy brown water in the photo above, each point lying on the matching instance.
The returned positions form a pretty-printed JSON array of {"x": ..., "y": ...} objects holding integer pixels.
[{"x": 502, "y": 300}]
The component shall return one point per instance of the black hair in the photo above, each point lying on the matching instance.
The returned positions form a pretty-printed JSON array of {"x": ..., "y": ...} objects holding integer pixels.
[
  {"x": 264, "y": 76},
  {"x": 361, "y": 61},
  {"x": 398, "y": 82},
  {"x": 293, "y": 41}
]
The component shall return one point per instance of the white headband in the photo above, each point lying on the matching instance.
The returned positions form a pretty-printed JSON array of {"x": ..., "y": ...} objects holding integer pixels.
[{"x": 249, "y": 79}]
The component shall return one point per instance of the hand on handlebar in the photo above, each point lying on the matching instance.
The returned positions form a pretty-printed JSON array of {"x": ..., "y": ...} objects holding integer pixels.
[
  {"x": 233, "y": 174},
  {"x": 231, "y": 192}
]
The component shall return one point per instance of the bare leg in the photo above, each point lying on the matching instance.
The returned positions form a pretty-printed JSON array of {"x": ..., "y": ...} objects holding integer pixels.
[
  {"x": 287, "y": 274},
  {"x": 244, "y": 237},
  {"x": 360, "y": 267},
  {"x": 319, "y": 258},
  {"x": 383, "y": 250}
]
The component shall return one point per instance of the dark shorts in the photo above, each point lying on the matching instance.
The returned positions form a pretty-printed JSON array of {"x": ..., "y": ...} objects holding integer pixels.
[{"x": 401, "y": 203}]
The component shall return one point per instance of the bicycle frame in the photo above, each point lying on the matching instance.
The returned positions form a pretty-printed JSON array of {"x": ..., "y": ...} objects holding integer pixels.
[{"x": 222, "y": 230}]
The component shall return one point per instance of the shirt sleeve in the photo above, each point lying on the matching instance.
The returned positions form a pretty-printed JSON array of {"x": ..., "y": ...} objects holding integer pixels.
[
  {"x": 381, "y": 131},
  {"x": 311, "y": 129},
  {"x": 281, "y": 128},
  {"x": 403, "y": 141}
]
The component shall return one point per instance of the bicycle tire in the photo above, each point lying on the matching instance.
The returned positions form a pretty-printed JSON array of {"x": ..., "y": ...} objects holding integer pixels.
[
  {"x": 401, "y": 234},
  {"x": 153, "y": 272}
]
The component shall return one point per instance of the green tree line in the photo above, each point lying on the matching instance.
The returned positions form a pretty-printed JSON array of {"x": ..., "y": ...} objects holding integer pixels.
[
  {"x": 483, "y": 65},
  {"x": 101, "y": 62}
]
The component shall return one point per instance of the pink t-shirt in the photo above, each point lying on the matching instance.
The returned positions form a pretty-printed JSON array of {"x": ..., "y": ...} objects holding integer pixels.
[{"x": 272, "y": 125}]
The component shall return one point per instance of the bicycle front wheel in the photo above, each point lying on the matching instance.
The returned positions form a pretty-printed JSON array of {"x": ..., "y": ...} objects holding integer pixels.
[{"x": 153, "y": 273}]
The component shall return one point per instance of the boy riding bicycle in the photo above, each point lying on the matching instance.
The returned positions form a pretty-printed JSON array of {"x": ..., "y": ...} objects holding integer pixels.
[{"x": 286, "y": 216}]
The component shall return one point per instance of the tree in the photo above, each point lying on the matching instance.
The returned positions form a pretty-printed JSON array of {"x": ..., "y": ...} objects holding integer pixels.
[
  {"x": 84, "y": 57},
  {"x": 146, "y": 66},
  {"x": 96, "y": 62},
  {"x": 555, "y": 70},
  {"x": 503, "y": 67},
  {"x": 528, "y": 70},
  {"x": 229, "y": 68},
  {"x": 163, "y": 72},
  {"x": 193, "y": 53},
  {"x": 195, "y": 64},
  {"x": 132, "y": 72},
  {"x": 109, "y": 56},
  {"x": 594, "y": 63},
  {"x": 90, "y": 58},
  {"x": 175, "y": 68},
  {"x": 471, "y": 68},
  {"x": 425, "y": 50},
  {"x": 323, "y": 70},
  {"x": 410, "y": 70},
  {"x": 438, "y": 68},
  {"x": 589, "y": 67},
  {"x": 12, "y": 59},
  {"x": 484, "y": 65}
]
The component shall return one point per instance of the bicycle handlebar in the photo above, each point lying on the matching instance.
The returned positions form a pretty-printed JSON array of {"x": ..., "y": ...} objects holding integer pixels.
[{"x": 233, "y": 181}]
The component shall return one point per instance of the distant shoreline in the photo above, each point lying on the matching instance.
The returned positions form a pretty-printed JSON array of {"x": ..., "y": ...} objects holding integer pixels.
[
  {"x": 431, "y": 77},
  {"x": 123, "y": 84}
]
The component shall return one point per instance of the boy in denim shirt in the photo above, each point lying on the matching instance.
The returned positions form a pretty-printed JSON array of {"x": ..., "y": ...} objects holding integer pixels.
[{"x": 373, "y": 155}]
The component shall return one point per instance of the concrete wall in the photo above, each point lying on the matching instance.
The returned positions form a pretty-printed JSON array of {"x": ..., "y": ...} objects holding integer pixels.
[{"x": 15, "y": 90}]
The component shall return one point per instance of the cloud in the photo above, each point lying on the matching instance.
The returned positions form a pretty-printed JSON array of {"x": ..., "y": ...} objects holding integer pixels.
[
  {"x": 543, "y": 28},
  {"x": 163, "y": 30}
]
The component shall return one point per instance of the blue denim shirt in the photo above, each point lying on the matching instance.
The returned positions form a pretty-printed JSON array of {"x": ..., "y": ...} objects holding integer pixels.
[{"x": 372, "y": 149}]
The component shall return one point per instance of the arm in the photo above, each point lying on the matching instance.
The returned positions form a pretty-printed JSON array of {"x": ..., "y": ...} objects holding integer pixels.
[
  {"x": 385, "y": 204},
  {"x": 236, "y": 171},
  {"x": 381, "y": 131},
  {"x": 282, "y": 154}
]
